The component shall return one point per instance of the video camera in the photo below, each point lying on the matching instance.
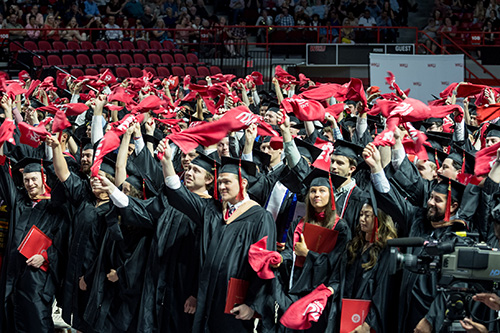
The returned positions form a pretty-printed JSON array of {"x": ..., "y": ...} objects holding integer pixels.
[{"x": 460, "y": 266}]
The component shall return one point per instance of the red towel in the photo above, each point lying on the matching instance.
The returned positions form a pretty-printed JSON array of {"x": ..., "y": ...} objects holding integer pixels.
[
  {"x": 260, "y": 258},
  {"x": 307, "y": 309}
]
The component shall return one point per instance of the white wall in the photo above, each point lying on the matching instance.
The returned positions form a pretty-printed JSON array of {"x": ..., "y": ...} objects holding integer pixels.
[{"x": 423, "y": 74}]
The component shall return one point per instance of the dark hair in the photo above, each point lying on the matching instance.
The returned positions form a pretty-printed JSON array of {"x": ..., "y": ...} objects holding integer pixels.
[{"x": 330, "y": 214}]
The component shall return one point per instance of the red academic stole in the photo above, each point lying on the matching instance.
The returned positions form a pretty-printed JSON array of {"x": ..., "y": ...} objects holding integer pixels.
[
  {"x": 35, "y": 242},
  {"x": 354, "y": 312},
  {"x": 318, "y": 239}
]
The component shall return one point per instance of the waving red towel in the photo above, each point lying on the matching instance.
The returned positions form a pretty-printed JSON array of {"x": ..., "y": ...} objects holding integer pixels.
[
  {"x": 260, "y": 258},
  {"x": 307, "y": 309}
]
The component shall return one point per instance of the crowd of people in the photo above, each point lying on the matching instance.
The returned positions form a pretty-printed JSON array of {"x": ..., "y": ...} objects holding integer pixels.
[
  {"x": 188, "y": 18},
  {"x": 166, "y": 206}
]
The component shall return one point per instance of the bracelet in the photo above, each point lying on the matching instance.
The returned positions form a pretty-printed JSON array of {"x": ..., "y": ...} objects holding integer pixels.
[{"x": 137, "y": 137}]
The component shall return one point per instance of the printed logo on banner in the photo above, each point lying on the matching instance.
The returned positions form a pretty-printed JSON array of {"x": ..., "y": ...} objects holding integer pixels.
[
  {"x": 418, "y": 84},
  {"x": 375, "y": 64},
  {"x": 403, "y": 65},
  {"x": 431, "y": 65},
  {"x": 445, "y": 83},
  {"x": 356, "y": 318},
  {"x": 317, "y": 48},
  {"x": 459, "y": 65}
]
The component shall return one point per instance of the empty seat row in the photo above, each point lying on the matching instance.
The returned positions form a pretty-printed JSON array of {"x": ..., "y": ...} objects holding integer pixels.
[
  {"x": 122, "y": 72},
  {"x": 143, "y": 45}
]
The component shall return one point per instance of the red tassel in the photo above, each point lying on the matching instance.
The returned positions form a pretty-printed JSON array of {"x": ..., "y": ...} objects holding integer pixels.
[
  {"x": 240, "y": 180},
  {"x": 144, "y": 190},
  {"x": 47, "y": 188},
  {"x": 448, "y": 203},
  {"x": 376, "y": 129},
  {"x": 374, "y": 230},
  {"x": 463, "y": 163},
  {"x": 216, "y": 196},
  {"x": 332, "y": 196},
  {"x": 10, "y": 169},
  {"x": 437, "y": 160}
]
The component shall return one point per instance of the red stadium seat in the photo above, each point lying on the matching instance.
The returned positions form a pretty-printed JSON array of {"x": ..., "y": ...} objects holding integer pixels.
[
  {"x": 214, "y": 70},
  {"x": 126, "y": 59},
  {"x": 191, "y": 71},
  {"x": 101, "y": 45},
  {"x": 203, "y": 71},
  {"x": 98, "y": 59},
  {"x": 142, "y": 45},
  {"x": 82, "y": 59},
  {"x": 155, "y": 45},
  {"x": 43, "y": 45},
  {"x": 178, "y": 71},
  {"x": 92, "y": 71},
  {"x": 112, "y": 59},
  {"x": 39, "y": 61},
  {"x": 122, "y": 72},
  {"x": 154, "y": 58},
  {"x": 72, "y": 45},
  {"x": 193, "y": 58},
  {"x": 54, "y": 60},
  {"x": 60, "y": 46},
  {"x": 77, "y": 72},
  {"x": 30, "y": 45},
  {"x": 135, "y": 72},
  {"x": 151, "y": 70},
  {"x": 69, "y": 60},
  {"x": 167, "y": 58},
  {"x": 180, "y": 58},
  {"x": 163, "y": 72},
  {"x": 115, "y": 45},
  {"x": 140, "y": 59}
]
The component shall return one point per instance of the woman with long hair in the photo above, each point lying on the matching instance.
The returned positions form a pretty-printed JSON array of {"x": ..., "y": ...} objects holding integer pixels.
[
  {"x": 302, "y": 269},
  {"x": 367, "y": 274}
]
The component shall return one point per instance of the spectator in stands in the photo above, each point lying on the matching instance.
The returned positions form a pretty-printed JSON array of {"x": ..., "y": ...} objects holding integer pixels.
[
  {"x": 367, "y": 35},
  {"x": 492, "y": 7},
  {"x": 202, "y": 10},
  {"x": 357, "y": 7},
  {"x": 265, "y": 20},
  {"x": 148, "y": 19},
  {"x": 160, "y": 34},
  {"x": 315, "y": 22},
  {"x": 447, "y": 29},
  {"x": 238, "y": 37},
  {"x": 11, "y": 23},
  {"x": 169, "y": 18},
  {"x": 114, "y": 8},
  {"x": 156, "y": 7},
  {"x": 34, "y": 28},
  {"x": 126, "y": 32},
  {"x": 112, "y": 32},
  {"x": 347, "y": 33},
  {"x": 96, "y": 23},
  {"x": 386, "y": 35},
  {"x": 431, "y": 32},
  {"x": 76, "y": 12},
  {"x": 139, "y": 32},
  {"x": 301, "y": 19},
  {"x": 305, "y": 6},
  {"x": 320, "y": 9},
  {"x": 133, "y": 8},
  {"x": 438, "y": 17},
  {"x": 391, "y": 12},
  {"x": 284, "y": 19},
  {"x": 49, "y": 29},
  {"x": 374, "y": 9},
  {"x": 489, "y": 36},
  {"x": 237, "y": 8},
  {"x": 37, "y": 15},
  {"x": 194, "y": 35},
  {"x": 333, "y": 20},
  {"x": 91, "y": 9},
  {"x": 74, "y": 33},
  {"x": 493, "y": 19},
  {"x": 479, "y": 10},
  {"x": 14, "y": 9},
  {"x": 182, "y": 33},
  {"x": 440, "y": 6},
  {"x": 172, "y": 5},
  {"x": 206, "y": 39}
]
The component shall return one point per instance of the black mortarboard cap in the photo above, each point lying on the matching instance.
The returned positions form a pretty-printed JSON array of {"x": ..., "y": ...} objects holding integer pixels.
[
  {"x": 135, "y": 181},
  {"x": 439, "y": 139},
  {"x": 108, "y": 165},
  {"x": 493, "y": 130},
  {"x": 320, "y": 177},
  {"x": 457, "y": 189},
  {"x": 460, "y": 156},
  {"x": 263, "y": 160},
  {"x": 434, "y": 153},
  {"x": 231, "y": 165},
  {"x": 308, "y": 150},
  {"x": 29, "y": 164},
  {"x": 347, "y": 149},
  {"x": 207, "y": 163}
]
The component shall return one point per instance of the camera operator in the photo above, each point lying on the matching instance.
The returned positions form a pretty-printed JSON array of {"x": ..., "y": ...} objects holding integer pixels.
[
  {"x": 490, "y": 300},
  {"x": 418, "y": 291}
]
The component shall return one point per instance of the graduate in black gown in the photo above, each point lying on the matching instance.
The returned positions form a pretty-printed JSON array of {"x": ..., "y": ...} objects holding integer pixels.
[
  {"x": 228, "y": 230},
  {"x": 30, "y": 284},
  {"x": 319, "y": 268},
  {"x": 367, "y": 274},
  {"x": 418, "y": 291}
]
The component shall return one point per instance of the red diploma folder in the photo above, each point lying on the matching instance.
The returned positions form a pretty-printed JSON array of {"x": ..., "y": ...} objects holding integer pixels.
[
  {"x": 318, "y": 239},
  {"x": 354, "y": 312},
  {"x": 35, "y": 242},
  {"x": 236, "y": 293}
]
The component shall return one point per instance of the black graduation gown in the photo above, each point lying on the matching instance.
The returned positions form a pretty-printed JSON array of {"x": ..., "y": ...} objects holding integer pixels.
[
  {"x": 172, "y": 267},
  {"x": 87, "y": 232},
  {"x": 226, "y": 248},
  {"x": 350, "y": 204},
  {"x": 418, "y": 291},
  {"x": 373, "y": 284},
  {"x": 28, "y": 292},
  {"x": 325, "y": 268},
  {"x": 114, "y": 306}
]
